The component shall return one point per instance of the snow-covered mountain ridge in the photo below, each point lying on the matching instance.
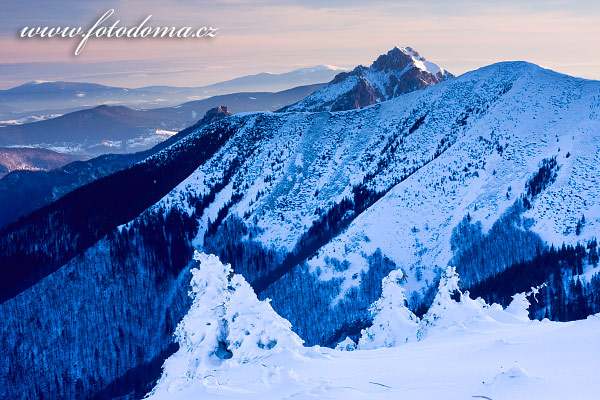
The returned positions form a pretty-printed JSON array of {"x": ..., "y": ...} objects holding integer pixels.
[
  {"x": 401, "y": 70},
  {"x": 313, "y": 209},
  {"x": 468, "y": 145}
]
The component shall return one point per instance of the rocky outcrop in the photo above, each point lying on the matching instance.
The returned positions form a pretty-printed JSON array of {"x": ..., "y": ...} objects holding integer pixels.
[
  {"x": 360, "y": 96},
  {"x": 399, "y": 71},
  {"x": 215, "y": 114}
]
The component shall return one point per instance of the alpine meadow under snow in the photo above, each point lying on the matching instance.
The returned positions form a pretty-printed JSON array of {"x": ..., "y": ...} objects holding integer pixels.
[{"x": 347, "y": 220}]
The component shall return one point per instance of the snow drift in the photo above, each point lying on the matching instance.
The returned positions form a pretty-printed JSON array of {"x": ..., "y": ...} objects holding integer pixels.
[{"x": 462, "y": 348}]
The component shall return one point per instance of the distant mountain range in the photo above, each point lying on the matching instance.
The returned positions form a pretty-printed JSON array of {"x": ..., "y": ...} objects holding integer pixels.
[
  {"x": 119, "y": 129},
  {"x": 40, "y": 98},
  {"x": 26, "y": 189}
]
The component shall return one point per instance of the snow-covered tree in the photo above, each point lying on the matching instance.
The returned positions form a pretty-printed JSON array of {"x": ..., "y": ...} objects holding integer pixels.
[
  {"x": 519, "y": 306},
  {"x": 225, "y": 324},
  {"x": 393, "y": 322},
  {"x": 346, "y": 345},
  {"x": 254, "y": 328},
  {"x": 451, "y": 307}
]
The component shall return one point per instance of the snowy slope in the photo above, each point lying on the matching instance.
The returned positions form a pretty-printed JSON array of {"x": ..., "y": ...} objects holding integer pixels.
[
  {"x": 400, "y": 71},
  {"x": 443, "y": 167},
  {"x": 503, "y": 360},
  {"x": 472, "y": 350},
  {"x": 542, "y": 115}
]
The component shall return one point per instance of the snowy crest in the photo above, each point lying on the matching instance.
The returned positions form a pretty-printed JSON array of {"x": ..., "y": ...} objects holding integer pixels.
[
  {"x": 393, "y": 322},
  {"x": 225, "y": 324}
]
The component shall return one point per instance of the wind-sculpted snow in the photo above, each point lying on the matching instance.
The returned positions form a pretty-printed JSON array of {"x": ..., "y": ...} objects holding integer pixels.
[{"x": 470, "y": 350}]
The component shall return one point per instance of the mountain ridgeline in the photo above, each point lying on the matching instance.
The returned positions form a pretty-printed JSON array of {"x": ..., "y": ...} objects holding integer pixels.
[
  {"x": 313, "y": 209},
  {"x": 22, "y": 192},
  {"x": 41, "y": 98}
]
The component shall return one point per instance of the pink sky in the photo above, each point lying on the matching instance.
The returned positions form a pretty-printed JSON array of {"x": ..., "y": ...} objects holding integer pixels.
[{"x": 280, "y": 36}]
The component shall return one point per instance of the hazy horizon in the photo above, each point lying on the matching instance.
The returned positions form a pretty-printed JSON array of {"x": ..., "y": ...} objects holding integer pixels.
[{"x": 279, "y": 37}]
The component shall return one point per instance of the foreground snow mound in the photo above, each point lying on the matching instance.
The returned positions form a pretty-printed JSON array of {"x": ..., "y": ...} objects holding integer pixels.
[
  {"x": 226, "y": 324},
  {"x": 233, "y": 346},
  {"x": 393, "y": 322}
]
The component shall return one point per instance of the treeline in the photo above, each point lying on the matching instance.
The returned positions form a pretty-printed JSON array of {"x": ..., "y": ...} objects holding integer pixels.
[
  {"x": 564, "y": 296},
  {"x": 478, "y": 255},
  {"x": 234, "y": 244},
  {"x": 544, "y": 177},
  {"x": 327, "y": 321},
  {"x": 327, "y": 226},
  {"x": 332, "y": 221},
  {"x": 167, "y": 232}
]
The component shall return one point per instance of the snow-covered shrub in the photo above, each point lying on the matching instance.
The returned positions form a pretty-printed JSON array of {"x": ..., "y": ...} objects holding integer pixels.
[
  {"x": 451, "y": 307},
  {"x": 393, "y": 322},
  {"x": 346, "y": 345},
  {"x": 519, "y": 306},
  {"x": 225, "y": 324}
]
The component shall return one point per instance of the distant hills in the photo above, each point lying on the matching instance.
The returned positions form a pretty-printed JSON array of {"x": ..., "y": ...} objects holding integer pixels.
[
  {"x": 39, "y": 98},
  {"x": 119, "y": 129},
  {"x": 33, "y": 159}
]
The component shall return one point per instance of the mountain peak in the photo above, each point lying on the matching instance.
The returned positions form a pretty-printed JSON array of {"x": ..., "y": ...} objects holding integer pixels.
[
  {"x": 399, "y": 71},
  {"x": 403, "y": 57},
  {"x": 36, "y": 82},
  {"x": 396, "y": 58}
]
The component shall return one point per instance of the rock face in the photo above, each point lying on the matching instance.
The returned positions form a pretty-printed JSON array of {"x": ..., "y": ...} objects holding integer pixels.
[
  {"x": 215, "y": 114},
  {"x": 400, "y": 71}
]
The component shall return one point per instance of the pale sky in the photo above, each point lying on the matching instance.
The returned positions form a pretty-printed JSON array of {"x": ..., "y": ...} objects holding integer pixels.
[{"x": 278, "y": 36}]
